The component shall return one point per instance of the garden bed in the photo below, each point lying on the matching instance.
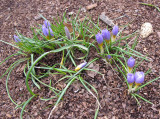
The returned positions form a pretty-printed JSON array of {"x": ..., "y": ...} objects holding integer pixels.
[{"x": 77, "y": 102}]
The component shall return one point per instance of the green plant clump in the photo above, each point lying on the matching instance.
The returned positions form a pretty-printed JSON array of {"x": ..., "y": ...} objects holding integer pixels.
[{"x": 66, "y": 37}]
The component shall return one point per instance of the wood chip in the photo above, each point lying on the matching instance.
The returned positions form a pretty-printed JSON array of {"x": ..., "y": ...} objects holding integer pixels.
[
  {"x": 106, "y": 19},
  {"x": 8, "y": 115},
  {"x": 84, "y": 18},
  {"x": 89, "y": 7},
  {"x": 158, "y": 33}
]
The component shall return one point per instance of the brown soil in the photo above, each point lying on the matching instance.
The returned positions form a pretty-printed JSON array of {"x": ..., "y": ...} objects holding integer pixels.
[{"x": 115, "y": 101}]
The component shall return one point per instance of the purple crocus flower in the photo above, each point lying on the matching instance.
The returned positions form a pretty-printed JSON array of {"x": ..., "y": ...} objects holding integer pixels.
[
  {"x": 106, "y": 34},
  {"x": 47, "y": 24},
  {"x": 67, "y": 33},
  {"x": 99, "y": 38},
  {"x": 16, "y": 38},
  {"x": 115, "y": 30},
  {"x": 80, "y": 66},
  {"x": 108, "y": 56},
  {"x": 130, "y": 78},
  {"x": 46, "y": 31},
  {"x": 131, "y": 62},
  {"x": 139, "y": 77}
]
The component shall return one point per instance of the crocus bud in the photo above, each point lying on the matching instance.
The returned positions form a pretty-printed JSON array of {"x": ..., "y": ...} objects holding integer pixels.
[
  {"x": 139, "y": 77},
  {"x": 109, "y": 59},
  {"x": 108, "y": 56},
  {"x": 47, "y": 31},
  {"x": 130, "y": 78},
  {"x": 16, "y": 38},
  {"x": 114, "y": 33},
  {"x": 80, "y": 66},
  {"x": 44, "y": 30},
  {"x": 115, "y": 30},
  {"x": 130, "y": 64},
  {"x": 99, "y": 39},
  {"x": 67, "y": 33},
  {"x": 106, "y": 34},
  {"x": 47, "y": 24}
]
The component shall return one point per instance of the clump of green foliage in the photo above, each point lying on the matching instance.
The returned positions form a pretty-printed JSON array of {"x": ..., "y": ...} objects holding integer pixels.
[{"x": 66, "y": 37}]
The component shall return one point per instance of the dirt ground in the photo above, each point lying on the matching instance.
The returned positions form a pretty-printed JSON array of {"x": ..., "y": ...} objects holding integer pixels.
[{"x": 115, "y": 102}]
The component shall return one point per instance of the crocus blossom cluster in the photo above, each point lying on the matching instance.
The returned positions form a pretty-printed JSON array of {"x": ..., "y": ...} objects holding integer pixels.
[
  {"x": 46, "y": 29},
  {"x": 137, "y": 78},
  {"x": 107, "y": 36}
]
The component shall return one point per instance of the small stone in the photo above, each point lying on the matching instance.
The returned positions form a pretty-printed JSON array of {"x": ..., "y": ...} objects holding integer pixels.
[{"x": 146, "y": 30}]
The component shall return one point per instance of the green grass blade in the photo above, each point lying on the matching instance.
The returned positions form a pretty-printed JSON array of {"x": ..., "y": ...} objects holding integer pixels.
[
  {"x": 81, "y": 80},
  {"x": 21, "y": 60},
  {"x": 25, "y": 104},
  {"x": 61, "y": 95},
  {"x": 151, "y": 6},
  {"x": 45, "y": 84},
  {"x": 33, "y": 71},
  {"x": 143, "y": 98},
  {"x": 136, "y": 100},
  {"x": 10, "y": 44},
  {"x": 16, "y": 64},
  {"x": 8, "y": 58}
]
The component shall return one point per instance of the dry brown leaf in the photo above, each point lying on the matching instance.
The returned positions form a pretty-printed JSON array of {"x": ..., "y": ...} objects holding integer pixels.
[
  {"x": 95, "y": 67},
  {"x": 70, "y": 28}
]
